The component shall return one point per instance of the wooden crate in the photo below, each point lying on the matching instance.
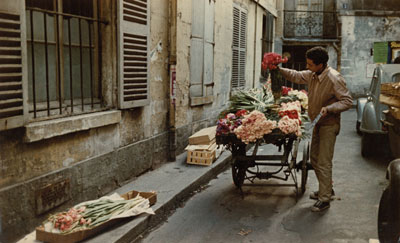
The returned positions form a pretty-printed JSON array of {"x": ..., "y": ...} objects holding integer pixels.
[
  {"x": 202, "y": 157},
  {"x": 389, "y": 100},
  {"x": 392, "y": 89},
  {"x": 395, "y": 112}
]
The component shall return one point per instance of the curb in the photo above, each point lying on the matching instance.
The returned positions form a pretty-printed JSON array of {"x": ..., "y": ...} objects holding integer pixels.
[{"x": 133, "y": 230}]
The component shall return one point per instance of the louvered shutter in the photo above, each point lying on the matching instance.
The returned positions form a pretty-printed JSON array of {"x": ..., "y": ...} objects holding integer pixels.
[
  {"x": 134, "y": 22},
  {"x": 13, "y": 63},
  {"x": 239, "y": 47}
]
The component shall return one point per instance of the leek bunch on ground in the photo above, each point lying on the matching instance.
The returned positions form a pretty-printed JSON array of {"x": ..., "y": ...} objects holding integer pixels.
[{"x": 90, "y": 214}]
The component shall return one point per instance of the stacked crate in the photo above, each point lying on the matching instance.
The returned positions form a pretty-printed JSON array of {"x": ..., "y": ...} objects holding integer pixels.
[
  {"x": 390, "y": 95},
  {"x": 202, "y": 147}
]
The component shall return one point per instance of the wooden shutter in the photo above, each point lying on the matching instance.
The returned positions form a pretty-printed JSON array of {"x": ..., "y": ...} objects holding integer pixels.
[
  {"x": 134, "y": 22},
  {"x": 239, "y": 47},
  {"x": 197, "y": 49},
  {"x": 202, "y": 48},
  {"x": 13, "y": 63},
  {"x": 208, "y": 72}
]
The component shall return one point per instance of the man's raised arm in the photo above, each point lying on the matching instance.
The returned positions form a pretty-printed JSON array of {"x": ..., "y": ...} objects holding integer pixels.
[{"x": 299, "y": 77}]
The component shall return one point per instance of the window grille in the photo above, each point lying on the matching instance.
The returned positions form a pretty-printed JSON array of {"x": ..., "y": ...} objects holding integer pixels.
[{"x": 64, "y": 61}]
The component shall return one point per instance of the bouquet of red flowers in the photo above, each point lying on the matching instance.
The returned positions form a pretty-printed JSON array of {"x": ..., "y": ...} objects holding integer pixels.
[{"x": 270, "y": 62}]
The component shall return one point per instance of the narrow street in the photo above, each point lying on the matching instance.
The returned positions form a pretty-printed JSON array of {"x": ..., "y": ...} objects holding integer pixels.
[{"x": 271, "y": 214}]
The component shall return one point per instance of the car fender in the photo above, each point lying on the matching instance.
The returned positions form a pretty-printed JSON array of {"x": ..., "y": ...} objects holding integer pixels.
[
  {"x": 370, "y": 122},
  {"x": 389, "y": 213},
  {"x": 360, "y": 108},
  {"x": 393, "y": 175}
]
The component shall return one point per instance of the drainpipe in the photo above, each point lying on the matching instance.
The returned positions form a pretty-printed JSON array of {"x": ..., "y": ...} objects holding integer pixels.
[
  {"x": 172, "y": 80},
  {"x": 339, "y": 55},
  {"x": 255, "y": 45}
]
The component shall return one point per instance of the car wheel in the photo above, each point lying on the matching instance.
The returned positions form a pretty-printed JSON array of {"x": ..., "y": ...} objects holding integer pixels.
[
  {"x": 358, "y": 128},
  {"x": 366, "y": 145}
]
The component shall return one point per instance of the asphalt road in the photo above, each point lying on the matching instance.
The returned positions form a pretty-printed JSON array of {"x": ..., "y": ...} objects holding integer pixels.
[{"x": 271, "y": 214}]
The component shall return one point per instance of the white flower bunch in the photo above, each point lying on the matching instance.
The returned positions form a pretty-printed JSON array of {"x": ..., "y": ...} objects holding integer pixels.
[{"x": 302, "y": 97}]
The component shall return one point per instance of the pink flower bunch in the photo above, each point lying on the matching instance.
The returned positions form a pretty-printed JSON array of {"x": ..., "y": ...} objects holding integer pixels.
[
  {"x": 254, "y": 126},
  {"x": 287, "y": 126},
  {"x": 271, "y": 60},
  {"x": 230, "y": 122},
  {"x": 64, "y": 221},
  {"x": 295, "y": 105},
  {"x": 291, "y": 118}
]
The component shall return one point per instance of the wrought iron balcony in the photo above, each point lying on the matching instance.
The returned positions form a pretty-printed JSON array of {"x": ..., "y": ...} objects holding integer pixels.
[{"x": 310, "y": 24}]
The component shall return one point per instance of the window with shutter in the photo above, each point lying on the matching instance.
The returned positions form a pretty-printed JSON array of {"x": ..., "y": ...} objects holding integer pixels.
[
  {"x": 63, "y": 58},
  {"x": 134, "y": 24},
  {"x": 12, "y": 60},
  {"x": 202, "y": 52},
  {"x": 239, "y": 47}
]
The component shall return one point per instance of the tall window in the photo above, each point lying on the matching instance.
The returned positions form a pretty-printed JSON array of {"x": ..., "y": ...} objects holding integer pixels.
[
  {"x": 267, "y": 36},
  {"x": 239, "y": 47},
  {"x": 63, "y": 57}
]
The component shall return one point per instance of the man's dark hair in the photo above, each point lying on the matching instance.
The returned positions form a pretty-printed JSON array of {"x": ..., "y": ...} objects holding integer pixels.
[
  {"x": 397, "y": 60},
  {"x": 318, "y": 55}
]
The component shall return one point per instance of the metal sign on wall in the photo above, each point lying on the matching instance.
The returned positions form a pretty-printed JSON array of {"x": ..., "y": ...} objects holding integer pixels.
[
  {"x": 386, "y": 52},
  {"x": 52, "y": 195}
]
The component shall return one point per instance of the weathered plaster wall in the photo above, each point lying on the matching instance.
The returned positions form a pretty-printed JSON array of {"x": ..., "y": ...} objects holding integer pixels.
[
  {"x": 21, "y": 161},
  {"x": 200, "y": 116},
  {"x": 358, "y": 36},
  {"x": 95, "y": 161},
  {"x": 148, "y": 121}
]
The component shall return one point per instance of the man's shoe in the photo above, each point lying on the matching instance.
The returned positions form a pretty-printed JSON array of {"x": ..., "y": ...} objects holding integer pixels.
[
  {"x": 314, "y": 195},
  {"x": 320, "y": 206}
]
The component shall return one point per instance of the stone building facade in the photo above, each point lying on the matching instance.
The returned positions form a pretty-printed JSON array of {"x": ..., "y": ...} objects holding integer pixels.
[
  {"x": 348, "y": 29},
  {"x": 94, "y": 93}
]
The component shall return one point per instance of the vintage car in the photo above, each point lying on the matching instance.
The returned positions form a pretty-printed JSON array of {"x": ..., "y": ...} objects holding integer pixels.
[{"x": 371, "y": 121}]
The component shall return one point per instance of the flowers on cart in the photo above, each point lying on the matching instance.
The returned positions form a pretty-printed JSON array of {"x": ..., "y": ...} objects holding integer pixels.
[
  {"x": 290, "y": 121},
  {"x": 285, "y": 90},
  {"x": 230, "y": 122},
  {"x": 254, "y": 113},
  {"x": 254, "y": 126},
  {"x": 289, "y": 94},
  {"x": 290, "y": 109},
  {"x": 302, "y": 96}
]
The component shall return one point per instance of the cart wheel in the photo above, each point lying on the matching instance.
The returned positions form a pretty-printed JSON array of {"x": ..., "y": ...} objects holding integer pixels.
[
  {"x": 238, "y": 174},
  {"x": 304, "y": 170}
]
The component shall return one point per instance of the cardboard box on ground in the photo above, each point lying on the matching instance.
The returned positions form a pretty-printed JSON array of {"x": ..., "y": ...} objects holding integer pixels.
[{"x": 202, "y": 148}]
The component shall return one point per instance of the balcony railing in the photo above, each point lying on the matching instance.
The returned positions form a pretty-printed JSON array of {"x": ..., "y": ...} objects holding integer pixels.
[{"x": 310, "y": 24}]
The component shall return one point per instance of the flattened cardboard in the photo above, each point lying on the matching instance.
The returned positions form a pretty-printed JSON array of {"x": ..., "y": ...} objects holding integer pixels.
[{"x": 204, "y": 136}]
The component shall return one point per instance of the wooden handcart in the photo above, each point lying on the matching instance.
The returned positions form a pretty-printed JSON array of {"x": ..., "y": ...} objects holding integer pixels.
[{"x": 246, "y": 166}]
